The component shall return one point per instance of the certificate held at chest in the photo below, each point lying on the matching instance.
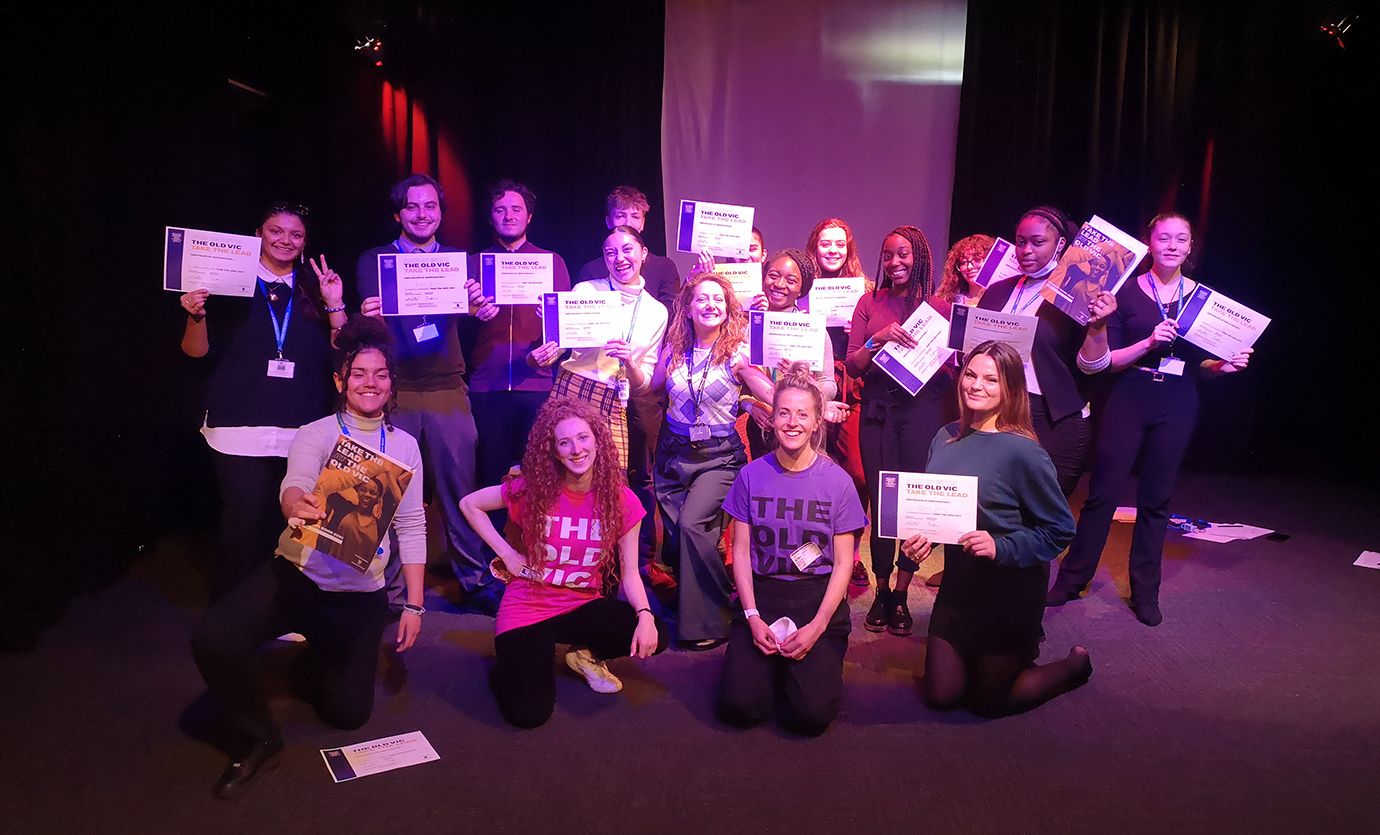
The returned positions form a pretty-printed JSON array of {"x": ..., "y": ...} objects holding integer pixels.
[
  {"x": 423, "y": 283},
  {"x": 794, "y": 337},
  {"x": 723, "y": 229},
  {"x": 940, "y": 507},
  {"x": 912, "y": 368},
  {"x": 221, "y": 263},
  {"x": 516, "y": 277},
  {"x": 583, "y": 320}
]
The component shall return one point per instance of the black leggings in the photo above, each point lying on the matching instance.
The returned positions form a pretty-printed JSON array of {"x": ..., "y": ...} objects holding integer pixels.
[
  {"x": 523, "y": 679},
  {"x": 996, "y": 685}
]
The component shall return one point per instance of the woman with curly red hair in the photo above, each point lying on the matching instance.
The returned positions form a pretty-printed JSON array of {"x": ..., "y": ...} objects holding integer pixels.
[
  {"x": 961, "y": 267},
  {"x": 578, "y": 522},
  {"x": 703, "y": 368}
]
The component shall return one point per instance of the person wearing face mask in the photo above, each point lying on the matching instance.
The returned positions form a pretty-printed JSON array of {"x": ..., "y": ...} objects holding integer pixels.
[
  {"x": 961, "y": 267},
  {"x": 619, "y": 374},
  {"x": 269, "y": 375},
  {"x": 704, "y": 369},
  {"x": 892, "y": 419},
  {"x": 339, "y": 608},
  {"x": 433, "y": 403},
  {"x": 1149, "y": 417},
  {"x": 628, "y": 206},
  {"x": 510, "y": 367},
  {"x": 795, "y": 516},
  {"x": 1065, "y": 352}
]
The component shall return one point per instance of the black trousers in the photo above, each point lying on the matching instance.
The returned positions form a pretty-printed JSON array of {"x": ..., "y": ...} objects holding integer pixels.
[
  {"x": 503, "y": 420},
  {"x": 810, "y": 689},
  {"x": 523, "y": 679},
  {"x": 1150, "y": 422},
  {"x": 644, "y": 424},
  {"x": 1068, "y": 442},
  {"x": 250, "y": 516},
  {"x": 342, "y": 630},
  {"x": 896, "y": 435}
]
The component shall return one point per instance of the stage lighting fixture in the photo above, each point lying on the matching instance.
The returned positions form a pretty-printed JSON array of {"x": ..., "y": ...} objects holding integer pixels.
[{"x": 370, "y": 49}]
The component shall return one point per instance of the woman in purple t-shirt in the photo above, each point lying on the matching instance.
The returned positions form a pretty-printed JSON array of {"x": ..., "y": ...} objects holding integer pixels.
[{"x": 793, "y": 511}]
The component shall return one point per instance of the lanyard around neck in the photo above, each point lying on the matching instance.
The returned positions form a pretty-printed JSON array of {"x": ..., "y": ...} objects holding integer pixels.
[
  {"x": 696, "y": 397},
  {"x": 280, "y": 329},
  {"x": 1020, "y": 291},
  {"x": 1164, "y": 308},
  {"x": 345, "y": 430}
]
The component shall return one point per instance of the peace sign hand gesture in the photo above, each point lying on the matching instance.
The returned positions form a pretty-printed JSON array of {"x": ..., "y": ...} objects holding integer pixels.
[{"x": 332, "y": 288}]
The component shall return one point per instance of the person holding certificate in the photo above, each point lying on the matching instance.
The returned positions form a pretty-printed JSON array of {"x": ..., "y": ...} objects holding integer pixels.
[
  {"x": 787, "y": 279},
  {"x": 892, "y": 421},
  {"x": 703, "y": 369},
  {"x": 577, "y": 535},
  {"x": 340, "y": 608},
  {"x": 612, "y": 377},
  {"x": 1150, "y": 415},
  {"x": 985, "y": 628},
  {"x": 270, "y": 362},
  {"x": 1065, "y": 352},
  {"x": 961, "y": 267},
  {"x": 795, "y": 517},
  {"x": 433, "y": 403}
]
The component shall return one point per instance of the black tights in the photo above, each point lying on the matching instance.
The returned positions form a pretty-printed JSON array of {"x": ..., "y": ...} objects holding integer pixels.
[{"x": 997, "y": 685}]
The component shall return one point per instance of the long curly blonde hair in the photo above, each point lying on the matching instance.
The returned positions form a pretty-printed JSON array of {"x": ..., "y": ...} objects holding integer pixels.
[{"x": 680, "y": 333}]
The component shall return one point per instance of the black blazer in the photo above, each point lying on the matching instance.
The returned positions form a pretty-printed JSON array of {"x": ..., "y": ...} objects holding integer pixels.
[{"x": 1055, "y": 355}]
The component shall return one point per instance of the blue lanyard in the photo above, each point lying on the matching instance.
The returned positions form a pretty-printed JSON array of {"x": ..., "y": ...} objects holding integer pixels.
[
  {"x": 1155, "y": 291},
  {"x": 279, "y": 328},
  {"x": 1020, "y": 291},
  {"x": 345, "y": 430}
]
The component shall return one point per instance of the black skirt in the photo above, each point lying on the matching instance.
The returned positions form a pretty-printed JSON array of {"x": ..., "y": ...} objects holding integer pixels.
[{"x": 989, "y": 609}]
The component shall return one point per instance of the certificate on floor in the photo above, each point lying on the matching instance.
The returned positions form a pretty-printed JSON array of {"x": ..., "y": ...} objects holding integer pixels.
[{"x": 378, "y": 756}]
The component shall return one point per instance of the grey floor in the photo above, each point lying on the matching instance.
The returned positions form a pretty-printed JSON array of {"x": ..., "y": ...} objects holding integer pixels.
[{"x": 1252, "y": 708}]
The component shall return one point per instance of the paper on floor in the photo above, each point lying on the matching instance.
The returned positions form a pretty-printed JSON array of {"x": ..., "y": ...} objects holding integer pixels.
[
  {"x": 377, "y": 756},
  {"x": 1368, "y": 559},
  {"x": 1219, "y": 532}
]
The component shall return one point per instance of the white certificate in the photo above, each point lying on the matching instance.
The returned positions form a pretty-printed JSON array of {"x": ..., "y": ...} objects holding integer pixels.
[
  {"x": 999, "y": 264},
  {"x": 423, "y": 283},
  {"x": 969, "y": 327},
  {"x": 722, "y": 228},
  {"x": 746, "y": 279},
  {"x": 583, "y": 320},
  {"x": 225, "y": 264},
  {"x": 377, "y": 756},
  {"x": 797, "y": 337},
  {"x": 516, "y": 277},
  {"x": 1219, "y": 325},
  {"x": 836, "y": 298},
  {"x": 942, "y": 507},
  {"x": 911, "y": 368}
]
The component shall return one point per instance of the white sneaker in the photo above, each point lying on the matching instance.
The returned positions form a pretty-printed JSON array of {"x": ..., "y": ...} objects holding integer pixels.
[
  {"x": 293, "y": 637},
  {"x": 595, "y": 672}
]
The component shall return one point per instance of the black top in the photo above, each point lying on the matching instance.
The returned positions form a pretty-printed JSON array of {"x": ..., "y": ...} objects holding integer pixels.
[
  {"x": 1136, "y": 317},
  {"x": 1058, "y": 339},
  {"x": 660, "y": 273},
  {"x": 433, "y": 365},
  {"x": 242, "y": 341}
]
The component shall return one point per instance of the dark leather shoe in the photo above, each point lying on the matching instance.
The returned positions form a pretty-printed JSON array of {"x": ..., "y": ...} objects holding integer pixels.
[
  {"x": 1148, "y": 613},
  {"x": 878, "y": 616},
  {"x": 240, "y": 773},
  {"x": 1058, "y": 595},
  {"x": 899, "y": 622}
]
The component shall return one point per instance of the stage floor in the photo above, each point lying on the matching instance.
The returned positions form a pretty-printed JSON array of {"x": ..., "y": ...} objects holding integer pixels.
[{"x": 1251, "y": 709}]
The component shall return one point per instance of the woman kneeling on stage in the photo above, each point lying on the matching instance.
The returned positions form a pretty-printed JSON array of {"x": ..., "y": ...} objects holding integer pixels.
[
  {"x": 578, "y": 523},
  {"x": 985, "y": 630},
  {"x": 794, "y": 512}
]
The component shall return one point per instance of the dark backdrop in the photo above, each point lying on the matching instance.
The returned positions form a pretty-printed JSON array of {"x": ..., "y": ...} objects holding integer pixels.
[
  {"x": 118, "y": 122},
  {"x": 1243, "y": 116}
]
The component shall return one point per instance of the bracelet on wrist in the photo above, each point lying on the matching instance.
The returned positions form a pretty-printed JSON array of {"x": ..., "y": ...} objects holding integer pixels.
[
  {"x": 644, "y": 609},
  {"x": 749, "y": 614},
  {"x": 340, "y": 309},
  {"x": 413, "y": 609}
]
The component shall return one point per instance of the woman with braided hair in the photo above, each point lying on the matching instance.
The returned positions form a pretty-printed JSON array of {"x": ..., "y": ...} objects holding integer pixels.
[{"x": 894, "y": 422}]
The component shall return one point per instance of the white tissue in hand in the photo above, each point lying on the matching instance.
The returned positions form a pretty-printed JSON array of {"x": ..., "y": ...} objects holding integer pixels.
[{"x": 782, "y": 628}]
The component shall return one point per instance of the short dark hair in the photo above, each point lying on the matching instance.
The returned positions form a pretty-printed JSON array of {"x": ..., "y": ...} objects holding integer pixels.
[
  {"x": 502, "y": 187},
  {"x": 626, "y": 197},
  {"x": 398, "y": 195},
  {"x": 809, "y": 271}
]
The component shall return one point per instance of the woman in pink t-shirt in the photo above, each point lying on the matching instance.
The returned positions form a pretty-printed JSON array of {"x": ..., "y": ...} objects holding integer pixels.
[{"x": 578, "y": 525}]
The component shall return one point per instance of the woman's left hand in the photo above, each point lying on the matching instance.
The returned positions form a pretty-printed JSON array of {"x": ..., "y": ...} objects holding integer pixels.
[
  {"x": 799, "y": 643},
  {"x": 332, "y": 288},
  {"x": 644, "y": 637},
  {"x": 618, "y": 349},
  {"x": 835, "y": 411},
  {"x": 1238, "y": 361},
  {"x": 979, "y": 544},
  {"x": 543, "y": 355},
  {"x": 1100, "y": 306},
  {"x": 483, "y": 308},
  {"x": 409, "y": 627}
]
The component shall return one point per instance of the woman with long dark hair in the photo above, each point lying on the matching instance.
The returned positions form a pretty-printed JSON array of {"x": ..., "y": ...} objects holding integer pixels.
[
  {"x": 1149, "y": 417},
  {"x": 985, "y": 629},
  {"x": 270, "y": 373},
  {"x": 893, "y": 421},
  {"x": 577, "y": 522}
]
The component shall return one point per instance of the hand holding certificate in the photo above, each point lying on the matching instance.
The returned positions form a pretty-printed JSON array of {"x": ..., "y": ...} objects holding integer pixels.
[
  {"x": 912, "y": 367},
  {"x": 583, "y": 320},
  {"x": 218, "y": 262},
  {"x": 942, "y": 508},
  {"x": 793, "y": 337},
  {"x": 721, "y": 228},
  {"x": 1219, "y": 325},
  {"x": 516, "y": 277},
  {"x": 423, "y": 283}
]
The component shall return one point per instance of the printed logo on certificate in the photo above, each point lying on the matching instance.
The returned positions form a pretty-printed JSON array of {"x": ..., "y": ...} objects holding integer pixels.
[
  {"x": 1218, "y": 325},
  {"x": 999, "y": 264},
  {"x": 219, "y": 262},
  {"x": 941, "y": 507},
  {"x": 725, "y": 230},
  {"x": 516, "y": 277},
  {"x": 969, "y": 327},
  {"x": 794, "y": 337},
  {"x": 835, "y": 298},
  {"x": 423, "y": 283},
  {"x": 583, "y": 320}
]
